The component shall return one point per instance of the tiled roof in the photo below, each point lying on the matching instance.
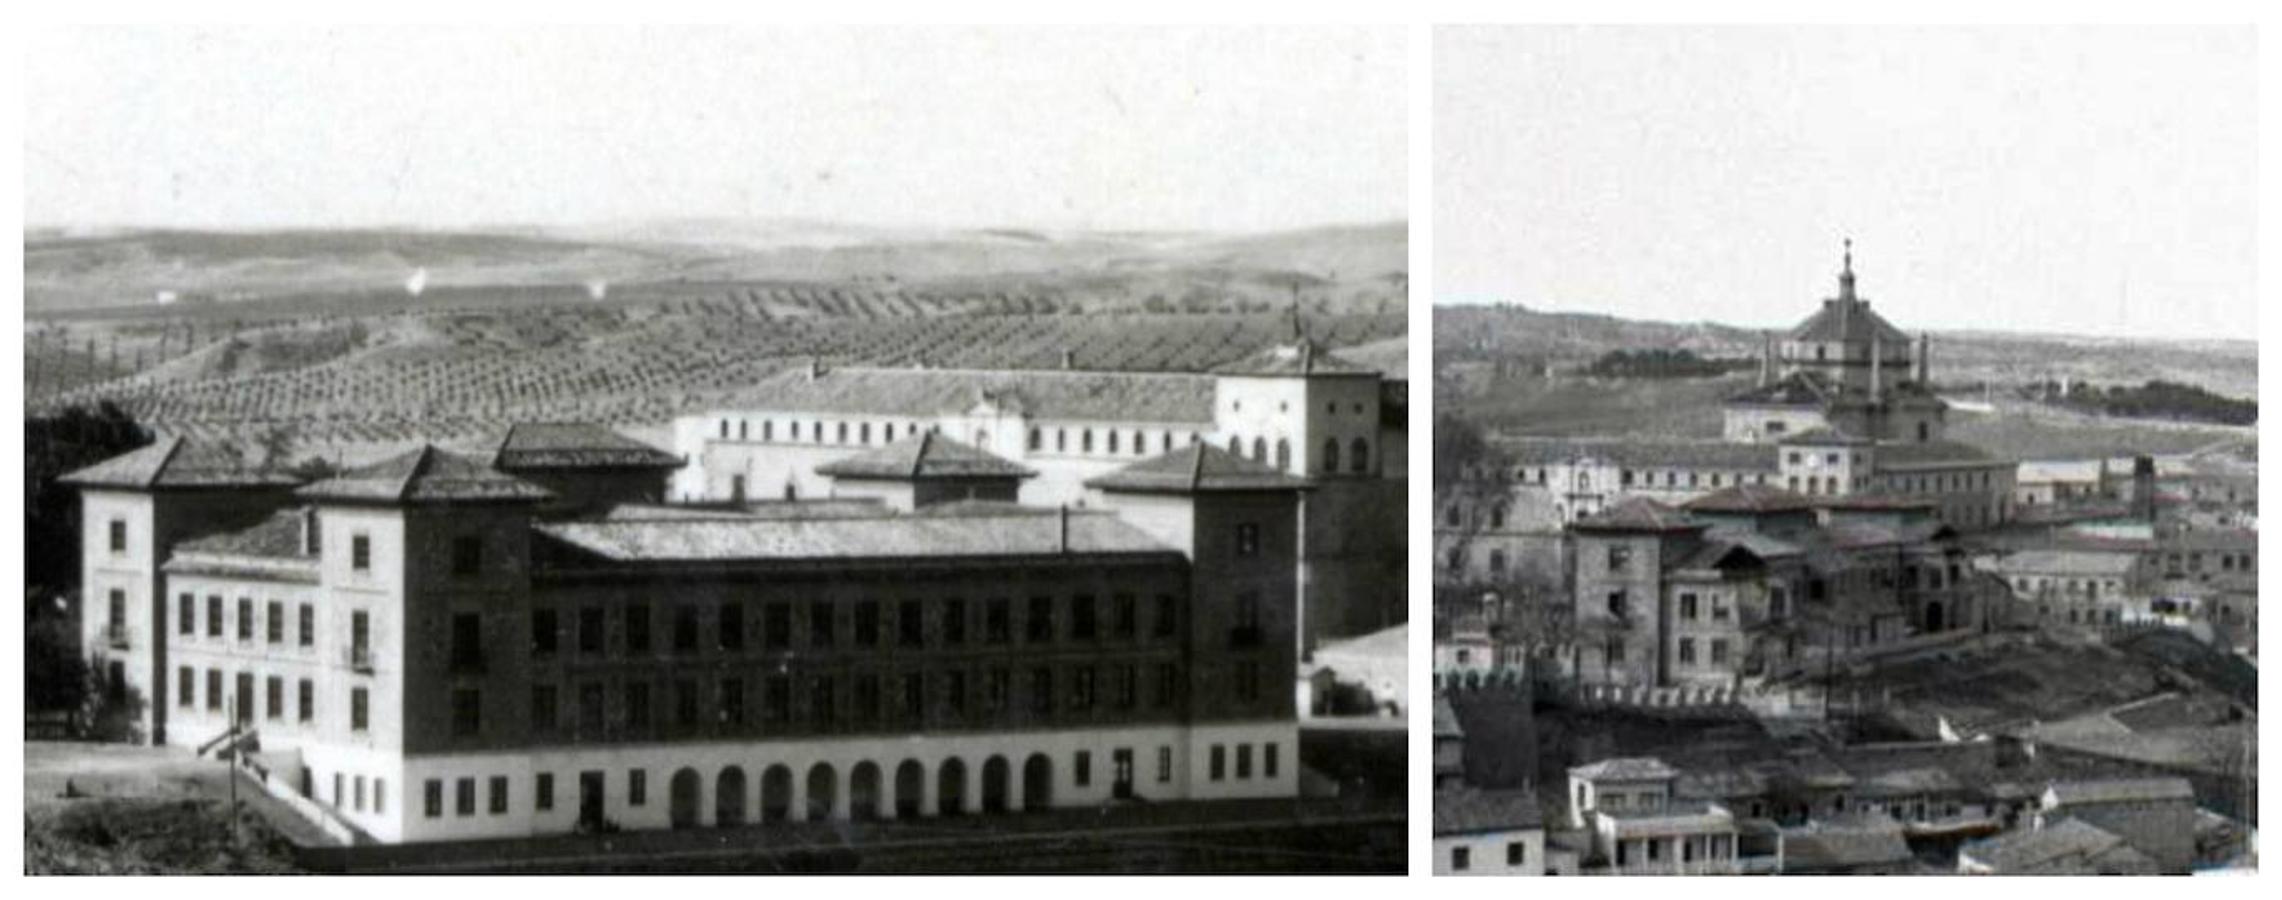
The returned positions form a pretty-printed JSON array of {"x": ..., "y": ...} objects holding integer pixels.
[
  {"x": 1196, "y": 468},
  {"x": 1637, "y": 454},
  {"x": 1639, "y": 514},
  {"x": 823, "y": 508},
  {"x": 1473, "y": 811},
  {"x": 179, "y": 462},
  {"x": 2122, "y": 790},
  {"x": 924, "y": 455},
  {"x": 1625, "y": 768},
  {"x": 575, "y": 445},
  {"x": 1040, "y": 393},
  {"x": 2069, "y": 562},
  {"x": 1301, "y": 358},
  {"x": 1750, "y": 498},
  {"x": 276, "y": 537},
  {"x": 884, "y": 537},
  {"x": 1848, "y": 321},
  {"x": 1845, "y": 843},
  {"x": 422, "y": 476},
  {"x": 1391, "y": 357},
  {"x": 2031, "y": 850},
  {"x": 1908, "y": 783}
]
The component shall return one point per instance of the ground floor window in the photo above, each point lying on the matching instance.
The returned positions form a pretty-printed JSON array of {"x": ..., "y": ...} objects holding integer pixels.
[{"x": 433, "y": 799}]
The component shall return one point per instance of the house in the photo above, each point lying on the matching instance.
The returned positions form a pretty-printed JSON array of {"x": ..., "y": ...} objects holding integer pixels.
[
  {"x": 1480, "y": 832},
  {"x": 2063, "y": 847}
]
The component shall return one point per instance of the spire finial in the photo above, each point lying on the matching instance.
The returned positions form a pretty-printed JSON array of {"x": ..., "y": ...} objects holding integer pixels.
[{"x": 1846, "y": 274}]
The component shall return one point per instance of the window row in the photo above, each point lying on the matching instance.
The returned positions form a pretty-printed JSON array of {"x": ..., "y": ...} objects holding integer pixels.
[
  {"x": 270, "y": 617},
  {"x": 271, "y": 704},
  {"x": 1217, "y": 761},
  {"x": 1112, "y": 441},
  {"x": 811, "y": 431},
  {"x": 829, "y": 625}
]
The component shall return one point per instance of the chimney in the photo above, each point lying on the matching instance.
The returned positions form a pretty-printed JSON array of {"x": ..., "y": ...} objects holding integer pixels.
[
  {"x": 309, "y": 535},
  {"x": 1766, "y": 357},
  {"x": 1062, "y": 543},
  {"x": 1925, "y": 369}
]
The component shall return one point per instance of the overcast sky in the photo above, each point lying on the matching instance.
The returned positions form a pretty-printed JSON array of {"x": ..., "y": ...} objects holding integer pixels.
[
  {"x": 1222, "y": 128},
  {"x": 2065, "y": 180}
]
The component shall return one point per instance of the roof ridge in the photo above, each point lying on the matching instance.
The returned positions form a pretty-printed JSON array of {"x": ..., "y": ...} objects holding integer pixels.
[
  {"x": 412, "y": 474},
  {"x": 173, "y": 447},
  {"x": 1196, "y": 468}
]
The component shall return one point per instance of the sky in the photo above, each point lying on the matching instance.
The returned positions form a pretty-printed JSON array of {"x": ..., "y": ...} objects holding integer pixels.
[
  {"x": 1224, "y": 129},
  {"x": 2072, "y": 180}
]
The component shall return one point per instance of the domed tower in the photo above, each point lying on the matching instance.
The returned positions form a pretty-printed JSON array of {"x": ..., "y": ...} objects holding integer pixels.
[
  {"x": 1844, "y": 367},
  {"x": 1845, "y": 343}
]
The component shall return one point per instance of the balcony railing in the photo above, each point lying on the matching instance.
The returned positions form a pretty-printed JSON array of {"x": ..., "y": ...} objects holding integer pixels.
[
  {"x": 359, "y": 658},
  {"x": 115, "y": 634}
]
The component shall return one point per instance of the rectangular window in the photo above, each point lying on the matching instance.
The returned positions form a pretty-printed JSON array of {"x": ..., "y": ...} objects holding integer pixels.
[
  {"x": 776, "y": 626},
  {"x": 1688, "y": 607},
  {"x": 467, "y": 712},
  {"x": 820, "y": 702},
  {"x": 820, "y": 625},
  {"x": 118, "y": 535},
  {"x": 1126, "y": 685},
  {"x": 463, "y": 796},
  {"x": 1247, "y": 539},
  {"x": 637, "y": 705},
  {"x": 1041, "y": 691},
  {"x": 1719, "y": 651},
  {"x": 467, "y": 642},
  {"x": 1619, "y": 558},
  {"x": 733, "y": 702},
  {"x": 498, "y": 795},
  {"x": 1219, "y": 762},
  {"x": 543, "y": 792},
  {"x": 637, "y": 787},
  {"x": 544, "y": 706},
  {"x": 1168, "y": 684},
  {"x": 1081, "y": 768},
  {"x": 245, "y": 618},
  {"x": 1164, "y": 765},
  {"x": 954, "y": 622},
  {"x": 867, "y": 703},
  {"x": 868, "y": 624},
  {"x": 1126, "y": 617},
  {"x": 997, "y": 684},
  {"x": 590, "y": 710},
  {"x": 432, "y": 798},
  {"x": 1268, "y": 759},
  {"x": 1243, "y": 760},
  {"x": 731, "y": 619},
  {"x": 1082, "y": 689},
  {"x": 305, "y": 697},
  {"x": 359, "y": 709},
  {"x": 685, "y": 703},
  {"x": 273, "y": 697},
  {"x": 1687, "y": 650},
  {"x": 188, "y": 613},
  {"x": 911, "y": 625},
  {"x": 635, "y": 618},
  {"x": 544, "y": 632},
  {"x": 213, "y": 615},
  {"x": 955, "y": 693},
  {"x": 1167, "y": 622},
  {"x": 213, "y": 689},
  {"x": 1461, "y": 859},
  {"x": 380, "y": 795},
  {"x": 998, "y": 621},
  {"x": 467, "y": 555},
  {"x": 359, "y": 785},
  {"x": 308, "y": 635},
  {"x": 186, "y": 687},
  {"x": 360, "y": 553},
  {"x": 1039, "y": 627},
  {"x": 685, "y": 629},
  {"x": 776, "y": 699},
  {"x": 360, "y": 634},
  {"x": 1082, "y": 617}
]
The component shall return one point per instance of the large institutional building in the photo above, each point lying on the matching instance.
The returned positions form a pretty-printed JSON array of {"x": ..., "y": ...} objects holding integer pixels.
[{"x": 877, "y": 594}]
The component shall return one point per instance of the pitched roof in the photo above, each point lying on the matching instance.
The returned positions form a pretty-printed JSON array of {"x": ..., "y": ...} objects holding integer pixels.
[
  {"x": 1625, "y": 768},
  {"x": 276, "y": 537},
  {"x": 1845, "y": 843},
  {"x": 1850, "y": 321},
  {"x": 1475, "y": 811},
  {"x": 885, "y": 537},
  {"x": 1639, "y": 514},
  {"x": 2030, "y": 850},
  {"x": 1750, "y": 498},
  {"x": 425, "y": 475},
  {"x": 2069, "y": 562},
  {"x": 1637, "y": 453},
  {"x": 1041, "y": 393},
  {"x": 1196, "y": 468},
  {"x": 179, "y": 462},
  {"x": 1300, "y": 358},
  {"x": 575, "y": 445},
  {"x": 2122, "y": 790},
  {"x": 1391, "y": 357},
  {"x": 924, "y": 455}
]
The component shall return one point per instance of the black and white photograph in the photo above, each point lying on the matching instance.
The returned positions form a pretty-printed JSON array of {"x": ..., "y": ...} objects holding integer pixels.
[
  {"x": 733, "y": 450},
  {"x": 1845, "y": 450}
]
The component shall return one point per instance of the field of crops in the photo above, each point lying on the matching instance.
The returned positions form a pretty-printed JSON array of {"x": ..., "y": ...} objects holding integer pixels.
[{"x": 384, "y": 380}]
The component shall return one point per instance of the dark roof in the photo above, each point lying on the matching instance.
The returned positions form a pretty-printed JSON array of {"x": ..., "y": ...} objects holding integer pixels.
[
  {"x": 276, "y": 537},
  {"x": 1849, "y": 321},
  {"x": 180, "y": 463},
  {"x": 1196, "y": 468},
  {"x": 883, "y": 537},
  {"x": 1845, "y": 843},
  {"x": 1638, "y": 514},
  {"x": 1625, "y": 768},
  {"x": 1300, "y": 358},
  {"x": 1474, "y": 811},
  {"x": 1794, "y": 389},
  {"x": 1637, "y": 453},
  {"x": 2068, "y": 844},
  {"x": 576, "y": 445},
  {"x": 1040, "y": 393},
  {"x": 422, "y": 476},
  {"x": 1750, "y": 498},
  {"x": 924, "y": 455},
  {"x": 2122, "y": 790}
]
